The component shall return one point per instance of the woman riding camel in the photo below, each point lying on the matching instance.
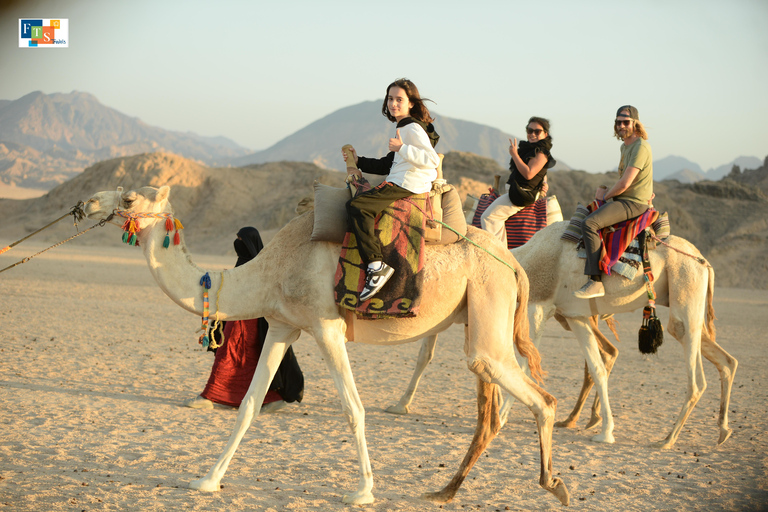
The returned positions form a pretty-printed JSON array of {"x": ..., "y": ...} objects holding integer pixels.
[
  {"x": 527, "y": 181},
  {"x": 410, "y": 167}
]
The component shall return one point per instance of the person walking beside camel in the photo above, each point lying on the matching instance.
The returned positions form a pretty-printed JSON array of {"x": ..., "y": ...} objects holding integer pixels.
[{"x": 630, "y": 197}]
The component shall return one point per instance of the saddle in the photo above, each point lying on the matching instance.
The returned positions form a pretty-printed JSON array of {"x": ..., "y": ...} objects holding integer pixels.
[{"x": 620, "y": 250}]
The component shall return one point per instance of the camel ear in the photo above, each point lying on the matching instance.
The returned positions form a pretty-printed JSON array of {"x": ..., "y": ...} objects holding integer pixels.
[{"x": 162, "y": 193}]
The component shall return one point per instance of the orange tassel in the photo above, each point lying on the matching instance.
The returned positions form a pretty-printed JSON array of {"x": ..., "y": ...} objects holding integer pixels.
[
  {"x": 176, "y": 239},
  {"x": 168, "y": 224}
]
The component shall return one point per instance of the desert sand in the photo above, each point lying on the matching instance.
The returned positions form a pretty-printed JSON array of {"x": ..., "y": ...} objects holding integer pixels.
[{"x": 95, "y": 363}]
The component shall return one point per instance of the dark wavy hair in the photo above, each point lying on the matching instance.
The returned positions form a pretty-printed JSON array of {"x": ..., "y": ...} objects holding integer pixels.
[
  {"x": 543, "y": 122},
  {"x": 419, "y": 110}
]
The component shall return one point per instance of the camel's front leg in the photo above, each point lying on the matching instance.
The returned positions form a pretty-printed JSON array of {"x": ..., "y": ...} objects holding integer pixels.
[
  {"x": 609, "y": 353},
  {"x": 330, "y": 339},
  {"x": 426, "y": 353},
  {"x": 589, "y": 346},
  {"x": 279, "y": 338}
]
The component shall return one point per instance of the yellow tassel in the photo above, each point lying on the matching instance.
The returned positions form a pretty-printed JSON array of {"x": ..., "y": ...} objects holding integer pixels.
[{"x": 178, "y": 224}]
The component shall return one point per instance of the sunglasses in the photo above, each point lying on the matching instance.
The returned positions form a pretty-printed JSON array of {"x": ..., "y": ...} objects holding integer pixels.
[
  {"x": 537, "y": 131},
  {"x": 623, "y": 122}
]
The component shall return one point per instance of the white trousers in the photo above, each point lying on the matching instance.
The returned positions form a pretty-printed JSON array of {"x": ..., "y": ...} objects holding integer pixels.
[{"x": 496, "y": 215}]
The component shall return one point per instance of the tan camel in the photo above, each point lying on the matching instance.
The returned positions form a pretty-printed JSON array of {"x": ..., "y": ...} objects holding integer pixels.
[
  {"x": 681, "y": 283},
  {"x": 290, "y": 283}
]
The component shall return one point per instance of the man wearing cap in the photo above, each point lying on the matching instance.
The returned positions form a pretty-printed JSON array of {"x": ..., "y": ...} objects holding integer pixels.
[{"x": 627, "y": 199}]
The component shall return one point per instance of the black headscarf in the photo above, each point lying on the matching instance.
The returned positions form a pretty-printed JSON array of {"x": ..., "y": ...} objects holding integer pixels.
[{"x": 247, "y": 245}]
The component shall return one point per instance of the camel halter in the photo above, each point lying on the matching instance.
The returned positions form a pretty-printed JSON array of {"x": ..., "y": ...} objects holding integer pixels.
[{"x": 131, "y": 227}]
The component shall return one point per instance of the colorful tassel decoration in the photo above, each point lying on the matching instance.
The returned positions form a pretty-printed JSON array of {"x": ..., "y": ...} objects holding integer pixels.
[{"x": 205, "y": 282}]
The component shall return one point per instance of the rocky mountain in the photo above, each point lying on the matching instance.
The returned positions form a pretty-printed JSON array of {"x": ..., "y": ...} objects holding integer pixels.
[
  {"x": 46, "y": 139},
  {"x": 363, "y": 126},
  {"x": 727, "y": 219},
  {"x": 683, "y": 170}
]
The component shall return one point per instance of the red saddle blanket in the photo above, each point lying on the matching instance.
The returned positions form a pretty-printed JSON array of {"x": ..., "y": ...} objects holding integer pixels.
[
  {"x": 401, "y": 230},
  {"x": 522, "y": 225},
  {"x": 617, "y": 238}
]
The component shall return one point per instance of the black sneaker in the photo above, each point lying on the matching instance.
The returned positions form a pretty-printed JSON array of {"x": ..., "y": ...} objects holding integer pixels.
[{"x": 374, "y": 280}]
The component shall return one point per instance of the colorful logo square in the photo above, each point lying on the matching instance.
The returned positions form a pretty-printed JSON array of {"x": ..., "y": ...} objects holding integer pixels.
[{"x": 43, "y": 33}]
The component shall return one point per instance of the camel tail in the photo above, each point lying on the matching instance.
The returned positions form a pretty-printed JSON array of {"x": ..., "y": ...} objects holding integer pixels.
[
  {"x": 709, "y": 321},
  {"x": 523, "y": 342}
]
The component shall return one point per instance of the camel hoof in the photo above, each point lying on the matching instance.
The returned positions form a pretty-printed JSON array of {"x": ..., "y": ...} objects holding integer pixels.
[
  {"x": 358, "y": 498},
  {"x": 593, "y": 422},
  {"x": 725, "y": 433},
  {"x": 662, "y": 445},
  {"x": 565, "y": 424},
  {"x": 205, "y": 485},
  {"x": 559, "y": 489},
  {"x": 397, "y": 409},
  {"x": 604, "y": 437},
  {"x": 438, "y": 497}
]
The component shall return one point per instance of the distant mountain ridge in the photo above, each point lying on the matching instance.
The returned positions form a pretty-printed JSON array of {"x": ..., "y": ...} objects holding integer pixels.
[
  {"x": 364, "y": 127},
  {"x": 48, "y": 138},
  {"x": 685, "y": 171}
]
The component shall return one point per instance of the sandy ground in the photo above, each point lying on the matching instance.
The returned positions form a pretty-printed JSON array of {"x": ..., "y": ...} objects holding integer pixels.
[
  {"x": 95, "y": 362},
  {"x": 14, "y": 192}
]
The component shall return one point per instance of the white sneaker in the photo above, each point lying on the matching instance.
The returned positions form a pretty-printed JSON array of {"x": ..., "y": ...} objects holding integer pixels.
[
  {"x": 375, "y": 280},
  {"x": 590, "y": 290}
]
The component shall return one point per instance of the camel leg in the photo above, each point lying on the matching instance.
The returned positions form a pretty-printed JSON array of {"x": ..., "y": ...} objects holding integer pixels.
[
  {"x": 487, "y": 428},
  {"x": 539, "y": 314},
  {"x": 608, "y": 353},
  {"x": 598, "y": 372},
  {"x": 726, "y": 366},
  {"x": 330, "y": 339},
  {"x": 426, "y": 353},
  {"x": 691, "y": 341},
  {"x": 279, "y": 338}
]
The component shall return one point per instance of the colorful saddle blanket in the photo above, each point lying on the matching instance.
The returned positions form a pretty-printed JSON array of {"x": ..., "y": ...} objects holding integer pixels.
[
  {"x": 619, "y": 251},
  {"x": 522, "y": 225},
  {"x": 401, "y": 230}
]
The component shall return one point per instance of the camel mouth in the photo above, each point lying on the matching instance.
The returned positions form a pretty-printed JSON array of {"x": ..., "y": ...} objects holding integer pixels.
[{"x": 93, "y": 210}]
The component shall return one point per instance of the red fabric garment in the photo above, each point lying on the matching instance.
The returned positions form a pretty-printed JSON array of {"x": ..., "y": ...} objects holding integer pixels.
[{"x": 234, "y": 365}]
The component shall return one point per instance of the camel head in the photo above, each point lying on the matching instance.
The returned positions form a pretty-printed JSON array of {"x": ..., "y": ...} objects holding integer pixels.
[{"x": 102, "y": 205}]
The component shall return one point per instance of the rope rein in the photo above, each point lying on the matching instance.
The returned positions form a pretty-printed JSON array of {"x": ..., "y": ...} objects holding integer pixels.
[
  {"x": 78, "y": 215},
  {"x": 700, "y": 259},
  {"x": 408, "y": 199}
]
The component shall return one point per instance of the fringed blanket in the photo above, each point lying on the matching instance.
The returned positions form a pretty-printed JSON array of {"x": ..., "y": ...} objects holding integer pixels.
[
  {"x": 401, "y": 231},
  {"x": 618, "y": 253},
  {"x": 522, "y": 225}
]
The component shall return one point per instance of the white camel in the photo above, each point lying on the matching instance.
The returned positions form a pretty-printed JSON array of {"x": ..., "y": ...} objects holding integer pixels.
[
  {"x": 682, "y": 283},
  {"x": 290, "y": 283}
]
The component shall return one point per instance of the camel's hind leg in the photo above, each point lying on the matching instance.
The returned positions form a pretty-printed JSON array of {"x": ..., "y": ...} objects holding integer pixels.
[
  {"x": 487, "y": 427},
  {"x": 726, "y": 365},
  {"x": 689, "y": 334},
  {"x": 426, "y": 353},
  {"x": 279, "y": 338}
]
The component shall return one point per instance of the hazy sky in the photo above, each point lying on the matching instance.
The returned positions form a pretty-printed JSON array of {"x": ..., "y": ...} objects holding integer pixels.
[{"x": 257, "y": 71}]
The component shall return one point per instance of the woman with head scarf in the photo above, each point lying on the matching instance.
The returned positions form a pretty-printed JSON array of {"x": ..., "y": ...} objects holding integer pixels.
[{"x": 236, "y": 359}]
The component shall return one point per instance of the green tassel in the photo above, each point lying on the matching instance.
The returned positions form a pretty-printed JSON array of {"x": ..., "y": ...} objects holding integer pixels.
[
  {"x": 125, "y": 237},
  {"x": 133, "y": 239},
  {"x": 166, "y": 242}
]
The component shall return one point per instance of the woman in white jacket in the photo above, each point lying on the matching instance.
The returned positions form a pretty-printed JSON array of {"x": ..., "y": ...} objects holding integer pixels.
[{"x": 410, "y": 166}]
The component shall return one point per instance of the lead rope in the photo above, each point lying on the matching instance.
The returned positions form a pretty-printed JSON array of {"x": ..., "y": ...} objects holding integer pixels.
[{"x": 462, "y": 236}]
